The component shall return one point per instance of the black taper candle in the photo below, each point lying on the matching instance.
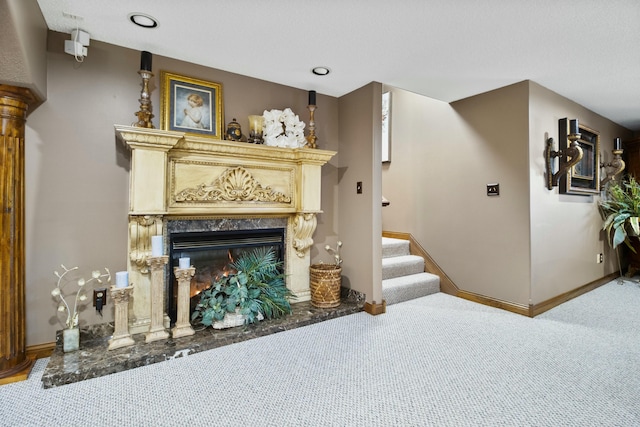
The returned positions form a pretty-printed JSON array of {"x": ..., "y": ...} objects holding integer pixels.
[
  {"x": 145, "y": 61},
  {"x": 573, "y": 126},
  {"x": 617, "y": 144},
  {"x": 312, "y": 97}
]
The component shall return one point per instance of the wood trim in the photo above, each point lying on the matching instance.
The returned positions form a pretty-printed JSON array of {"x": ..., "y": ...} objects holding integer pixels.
[
  {"x": 447, "y": 286},
  {"x": 556, "y": 301},
  {"x": 21, "y": 373},
  {"x": 40, "y": 351},
  {"x": 493, "y": 302},
  {"x": 374, "y": 308}
]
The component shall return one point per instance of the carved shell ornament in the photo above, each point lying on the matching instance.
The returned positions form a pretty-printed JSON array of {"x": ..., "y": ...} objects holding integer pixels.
[{"x": 234, "y": 185}]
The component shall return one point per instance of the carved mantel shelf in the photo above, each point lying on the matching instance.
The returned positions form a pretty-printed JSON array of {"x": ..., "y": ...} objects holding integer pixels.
[{"x": 176, "y": 175}]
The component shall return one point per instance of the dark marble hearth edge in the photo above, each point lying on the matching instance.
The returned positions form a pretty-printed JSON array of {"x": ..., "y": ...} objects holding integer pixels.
[{"x": 93, "y": 360}]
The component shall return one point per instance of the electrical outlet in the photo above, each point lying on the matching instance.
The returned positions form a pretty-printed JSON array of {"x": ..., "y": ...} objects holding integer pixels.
[
  {"x": 600, "y": 258},
  {"x": 99, "y": 298}
]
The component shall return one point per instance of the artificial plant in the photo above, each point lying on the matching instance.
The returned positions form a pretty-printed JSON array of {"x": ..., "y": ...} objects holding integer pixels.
[
  {"x": 621, "y": 212},
  {"x": 256, "y": 288}
]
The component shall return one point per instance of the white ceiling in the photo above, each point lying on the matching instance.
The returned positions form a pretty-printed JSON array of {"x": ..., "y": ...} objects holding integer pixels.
[{"x": 585, "y": 50}]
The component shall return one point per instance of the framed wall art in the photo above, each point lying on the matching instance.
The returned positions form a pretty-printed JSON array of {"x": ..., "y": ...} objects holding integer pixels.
[
  {"x": 584, "y": 177},
  {"x": 191, "y": 105},
  {"x": 386, "y": 127}
]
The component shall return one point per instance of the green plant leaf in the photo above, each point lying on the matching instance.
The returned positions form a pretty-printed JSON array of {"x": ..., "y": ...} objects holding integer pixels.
[
  {"x": 256, "y": 287},
  {"x": 243, "y": 278},
  {"x": 633, "y": 221},
  {"x": 619, "y": 236}
]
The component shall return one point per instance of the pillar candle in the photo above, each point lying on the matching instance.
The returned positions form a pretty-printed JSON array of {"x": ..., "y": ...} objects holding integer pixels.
[
  {"x": 617, "y": 144},
  {"x": 573, "y": 126},
  {"x": 122, "y": 279},
  {"x": 184, "y": 262},
  {"x": 145, "y": 61},
  {"x": 157, "y": 246},
  {"x": 256, "y": 123},
  {"x": 312, "y": 97}
]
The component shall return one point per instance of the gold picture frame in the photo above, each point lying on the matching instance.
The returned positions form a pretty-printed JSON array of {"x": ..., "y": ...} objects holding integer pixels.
[{"x": 191, "y": 105}]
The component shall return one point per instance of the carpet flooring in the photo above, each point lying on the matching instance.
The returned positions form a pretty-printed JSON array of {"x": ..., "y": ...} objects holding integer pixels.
[{"x": 432, "y": 361}]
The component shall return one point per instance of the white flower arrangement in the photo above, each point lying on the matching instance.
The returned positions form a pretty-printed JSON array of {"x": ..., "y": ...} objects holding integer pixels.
[
  {"x": 72, "y": 316},
  {"x": 283, "y": 129},
  {"x": 336, "y": 253}
]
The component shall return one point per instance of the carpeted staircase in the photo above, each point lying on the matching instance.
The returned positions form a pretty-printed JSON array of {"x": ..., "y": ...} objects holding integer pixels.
[{"x": 403, "y": 275}]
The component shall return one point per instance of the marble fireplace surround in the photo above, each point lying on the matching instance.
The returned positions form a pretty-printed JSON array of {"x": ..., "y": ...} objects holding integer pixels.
[{"x": 175, "y": 176}]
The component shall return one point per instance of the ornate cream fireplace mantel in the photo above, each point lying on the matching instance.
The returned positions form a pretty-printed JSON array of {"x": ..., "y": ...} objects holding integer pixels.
[{"x": 176, "y": 175}]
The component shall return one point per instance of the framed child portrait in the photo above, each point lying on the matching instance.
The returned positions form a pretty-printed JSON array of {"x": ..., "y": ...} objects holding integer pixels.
[{"x": 191, "y": 105}]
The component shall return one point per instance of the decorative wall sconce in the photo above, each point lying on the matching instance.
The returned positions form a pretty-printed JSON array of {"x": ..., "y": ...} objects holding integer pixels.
[
  {"x": 617, "y": 164},
  {"x": 568, "y": 157}
]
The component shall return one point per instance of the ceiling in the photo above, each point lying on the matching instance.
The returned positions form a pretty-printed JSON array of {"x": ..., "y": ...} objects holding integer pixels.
[{"x": 585, "y": 50}]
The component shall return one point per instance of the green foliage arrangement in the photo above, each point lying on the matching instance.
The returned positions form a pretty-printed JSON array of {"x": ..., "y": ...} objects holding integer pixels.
[
  {"x": 257, "y": 287},
  {"x": 621, "y": 212}
]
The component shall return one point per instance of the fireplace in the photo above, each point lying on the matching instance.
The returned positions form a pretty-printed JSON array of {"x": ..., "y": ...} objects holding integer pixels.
[
  {"x": 211, "y": 253},
  {"x": 180, "y": 184}
]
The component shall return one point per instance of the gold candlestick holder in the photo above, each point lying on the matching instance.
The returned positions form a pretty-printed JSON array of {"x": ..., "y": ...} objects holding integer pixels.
[
  {"x": 144, "y": 115},
  {"x": 569, "y": 157},
  {"x": 617, "y": 164},
  {"x": 311, "y": 138}
]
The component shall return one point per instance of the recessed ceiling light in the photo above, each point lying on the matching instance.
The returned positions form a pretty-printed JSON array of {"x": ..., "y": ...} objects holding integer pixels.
[
  {"x": 143, "y": 20},
  {"x": 321, "y": 71}
]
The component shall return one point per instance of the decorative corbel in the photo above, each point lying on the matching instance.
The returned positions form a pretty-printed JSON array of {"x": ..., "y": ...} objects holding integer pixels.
[
  {"x": 305, "y": 226},
  {"x": 141, "y": 228}
]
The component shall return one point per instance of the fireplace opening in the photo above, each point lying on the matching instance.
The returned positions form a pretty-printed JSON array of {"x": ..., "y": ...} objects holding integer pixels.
[{"x": 211, "y": 253}]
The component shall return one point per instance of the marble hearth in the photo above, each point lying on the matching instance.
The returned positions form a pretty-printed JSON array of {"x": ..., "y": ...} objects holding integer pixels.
[
  {"x": 177, "y": 178},
  {"x": 93, "y": 360}
]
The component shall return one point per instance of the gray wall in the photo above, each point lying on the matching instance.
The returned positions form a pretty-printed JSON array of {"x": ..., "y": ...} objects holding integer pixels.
[
  {"x": 360, "y": 214},
  {"x": 525, "y": 246},
  {"x": 565, "y": 230},
  {"x": 23, "y": 35}
]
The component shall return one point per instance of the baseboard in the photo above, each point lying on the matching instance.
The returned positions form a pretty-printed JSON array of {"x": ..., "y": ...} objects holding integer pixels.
[
  {"x": 447, "y": 286},
  {"x": 40, "y": 351},
  {"x": 556, "y": 301},
  {"x": 374, "y": 308},
  {"x": 522, "y": 309}
]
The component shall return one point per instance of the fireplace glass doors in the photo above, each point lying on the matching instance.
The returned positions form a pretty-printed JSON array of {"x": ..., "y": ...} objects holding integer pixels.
[{"x": 211, "y": 253}]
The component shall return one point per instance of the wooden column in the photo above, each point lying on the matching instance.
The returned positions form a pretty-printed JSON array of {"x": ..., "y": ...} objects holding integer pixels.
[{"x": 14, "y": 364}]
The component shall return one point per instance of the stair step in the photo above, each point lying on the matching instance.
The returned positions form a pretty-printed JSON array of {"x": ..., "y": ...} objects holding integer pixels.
[
  {"x": 394, "y": 247},
  {"x": 401, "y": 266},
  {"x": 405, "y": 288}
]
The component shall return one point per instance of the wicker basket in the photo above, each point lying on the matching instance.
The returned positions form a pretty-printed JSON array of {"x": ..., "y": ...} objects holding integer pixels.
[{"x": 324, "y": 284}]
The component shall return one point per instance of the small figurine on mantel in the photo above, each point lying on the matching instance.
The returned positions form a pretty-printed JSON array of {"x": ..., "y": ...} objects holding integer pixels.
[{"x": 234, "y": 131}]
